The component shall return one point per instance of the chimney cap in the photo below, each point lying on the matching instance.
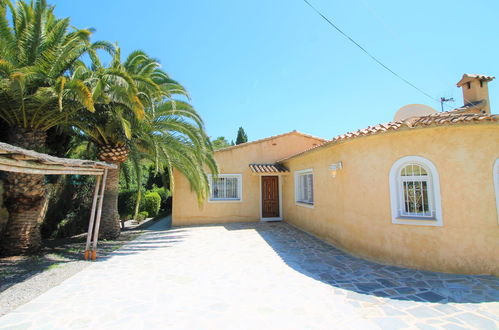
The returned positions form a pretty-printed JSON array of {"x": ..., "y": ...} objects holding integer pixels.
[{"x": 467, "y": 77}]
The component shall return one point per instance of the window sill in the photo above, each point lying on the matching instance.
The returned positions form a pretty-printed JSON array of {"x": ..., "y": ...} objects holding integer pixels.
[
  {"x": 417, "y": 221},
  {"x": 408, "y": 217},
  {"x": 307, "y": 205},
  {"x": 225, "y": 200}
]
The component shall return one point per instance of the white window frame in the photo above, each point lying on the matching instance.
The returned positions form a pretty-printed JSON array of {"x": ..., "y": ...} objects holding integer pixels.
[
  {"x": 496, "y": 184},
  {"x": 227, "y": 200},
  {"x": 433, "y": 190},
  {"x": 298, "y": 191}
]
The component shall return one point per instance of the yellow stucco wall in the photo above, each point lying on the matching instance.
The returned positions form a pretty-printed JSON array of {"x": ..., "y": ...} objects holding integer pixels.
[
  {"x": 235, "y": 161},
  {"x": 352, "y": 211}
]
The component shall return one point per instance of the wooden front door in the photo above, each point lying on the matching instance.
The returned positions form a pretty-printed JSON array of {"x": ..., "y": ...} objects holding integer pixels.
[{"x": 270, "y": 196}]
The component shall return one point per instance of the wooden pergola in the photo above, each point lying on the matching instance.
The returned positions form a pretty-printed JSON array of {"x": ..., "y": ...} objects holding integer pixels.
[{"x": 19, "y": 160}]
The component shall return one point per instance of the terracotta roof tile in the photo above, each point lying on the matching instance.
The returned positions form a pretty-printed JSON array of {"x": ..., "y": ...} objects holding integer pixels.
[
  {"x": 470, "y": 76},
  {"x": 268, "y": 168},
  {"x": 440, "y": 118},
  {"x": 453, "y": 117},
  {"x": 319, "y": 140}
]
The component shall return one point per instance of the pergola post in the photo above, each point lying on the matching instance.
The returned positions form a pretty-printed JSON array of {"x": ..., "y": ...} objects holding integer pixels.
[
  {"x": 99, "y": 213},
  {"x": 19, "y": 160},
  {"x": 92, "y": 216}
]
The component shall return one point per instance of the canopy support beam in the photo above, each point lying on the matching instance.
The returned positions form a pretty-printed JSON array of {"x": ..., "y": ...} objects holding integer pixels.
[
  {"x": 95, "y": 217},
  {"x": 19, "y": 160}
]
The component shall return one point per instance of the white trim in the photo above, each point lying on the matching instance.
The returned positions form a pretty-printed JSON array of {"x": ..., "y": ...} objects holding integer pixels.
[
  {"x": 239, "y": 188},
  {"x": 496, "y": 184},
  {"x": 279, "y": 218},
  {"x": 433, "y": 189},
  {"x": 297, "y": 188},
  {"x": 309, "y": 206}
]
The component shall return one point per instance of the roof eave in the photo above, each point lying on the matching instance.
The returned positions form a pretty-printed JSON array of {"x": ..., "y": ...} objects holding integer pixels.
[
  {"x": 321, "y": 140},
  {"x": 469, "y": 77},
  {"x": 401, "y": 129}
]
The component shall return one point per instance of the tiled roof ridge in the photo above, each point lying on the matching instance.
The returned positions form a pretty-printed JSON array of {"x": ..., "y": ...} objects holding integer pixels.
[
  {"x": 273, "y": 137},
  {"x": 451, "y": 117}
]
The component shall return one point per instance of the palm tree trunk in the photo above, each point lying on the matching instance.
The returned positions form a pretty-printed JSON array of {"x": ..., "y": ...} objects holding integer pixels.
[
  {"x": 25, "y": 199},
  {"x": 110, "y": 221}
]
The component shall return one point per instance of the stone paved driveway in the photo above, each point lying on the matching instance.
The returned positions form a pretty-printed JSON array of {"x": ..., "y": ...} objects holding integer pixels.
[{"x": 255, "y": 276}]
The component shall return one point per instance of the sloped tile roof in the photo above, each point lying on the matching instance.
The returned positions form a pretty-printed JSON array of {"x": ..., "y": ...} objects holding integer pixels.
[
  {"x": 268, "y": 168},
  {"x": 295, "y": 132},
  {"x": 453, "y": 117}
]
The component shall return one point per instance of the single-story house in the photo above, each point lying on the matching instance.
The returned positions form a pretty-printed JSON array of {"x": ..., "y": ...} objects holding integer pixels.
[{"x": 421, "y": 191}]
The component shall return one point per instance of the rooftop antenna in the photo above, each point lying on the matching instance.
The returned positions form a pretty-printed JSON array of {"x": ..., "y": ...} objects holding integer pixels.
[{"x": 443, "y": 100}]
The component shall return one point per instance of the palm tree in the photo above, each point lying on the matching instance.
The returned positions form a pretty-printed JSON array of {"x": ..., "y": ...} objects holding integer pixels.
[
  {"x": 132, "y": 100},
  {"x": 36, "y": 93},
  {"x": 174, "y": 137},
  {"x": 119, "y": 92}
]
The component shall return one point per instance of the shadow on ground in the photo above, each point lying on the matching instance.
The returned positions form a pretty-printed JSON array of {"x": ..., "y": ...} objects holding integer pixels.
[
  {"x": 157, "y": 234},
  {"x": 325, "y": 263},
  {"x": 61, "y": 251}
]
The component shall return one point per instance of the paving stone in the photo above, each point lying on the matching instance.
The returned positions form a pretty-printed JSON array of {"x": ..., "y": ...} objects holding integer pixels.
[
  {"x": 451, "y": 326},
  {"x": 424, "y": 326},
  {"x": 390, "y": 323},
  {"x": 477, "y": 321},
  {"x": 430, "y": 296},
  {"x": 488, "y": 314},
  {"x": 405, "y": 290},
  {"x": 386, "y": 283},
  {"x": 255, "y": 276},
  {"x": 390, "y": 311},
  {"x": 368, "y": 287},
  {"x": 424, "y": 311},
  {"x": 446, "y": 308},
  {"x": 381, "y": 293}
]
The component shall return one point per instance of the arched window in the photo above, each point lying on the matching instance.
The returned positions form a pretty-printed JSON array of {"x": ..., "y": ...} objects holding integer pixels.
[{"x": 415, "y": 192}]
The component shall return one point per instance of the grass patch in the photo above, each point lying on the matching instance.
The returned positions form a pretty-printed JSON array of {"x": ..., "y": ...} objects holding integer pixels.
[{"x": 53, "y": 266}]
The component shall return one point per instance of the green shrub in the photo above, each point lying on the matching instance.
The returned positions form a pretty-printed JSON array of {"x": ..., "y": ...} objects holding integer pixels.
[
  {"x": 164, "y": 194},
  {"x": 70, "y": 201},
  {"x": 142, "y": 216},
  {"x": 152, "y": 203},
  {"x": 126, "y": 203}
]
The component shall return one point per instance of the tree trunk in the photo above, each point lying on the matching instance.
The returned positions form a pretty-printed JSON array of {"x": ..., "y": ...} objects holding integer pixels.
[
  {"x": 25, "y": 199},
  {"x": 110, "y": 220}
]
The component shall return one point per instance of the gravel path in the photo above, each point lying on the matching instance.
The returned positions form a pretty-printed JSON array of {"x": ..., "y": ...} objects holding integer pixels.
[{"x": 23, "y": 292}]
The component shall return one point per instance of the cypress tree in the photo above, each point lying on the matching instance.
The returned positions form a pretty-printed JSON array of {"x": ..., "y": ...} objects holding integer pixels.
[{"x": 241, "y": 136}]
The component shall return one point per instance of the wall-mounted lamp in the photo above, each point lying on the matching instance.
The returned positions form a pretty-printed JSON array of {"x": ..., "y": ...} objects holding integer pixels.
[{"x": 334, "y": 168}]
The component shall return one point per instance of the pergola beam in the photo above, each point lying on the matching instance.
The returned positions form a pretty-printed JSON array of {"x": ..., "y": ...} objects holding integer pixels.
[
  {"x": 23, "y": 166},
  {"x": 61, "y": 171},
  {"x": 18, "y": 160}
]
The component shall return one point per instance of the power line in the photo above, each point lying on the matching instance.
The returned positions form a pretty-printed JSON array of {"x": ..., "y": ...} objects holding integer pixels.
[{"x": 369, "y": 54}]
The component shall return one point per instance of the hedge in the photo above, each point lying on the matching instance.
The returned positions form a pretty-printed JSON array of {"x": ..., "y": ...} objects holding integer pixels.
[
  {"x": 152, "y": 203},
  {"x": 164, "y": 194}
]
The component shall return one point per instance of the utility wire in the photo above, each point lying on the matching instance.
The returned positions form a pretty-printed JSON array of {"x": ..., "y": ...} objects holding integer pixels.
[{"x": 369, "y": 54}]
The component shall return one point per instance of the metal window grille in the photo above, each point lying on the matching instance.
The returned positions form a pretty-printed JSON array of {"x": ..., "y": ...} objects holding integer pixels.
[
  {"x": 415, "y": 192},
  {"x": 225, "y": 188}
]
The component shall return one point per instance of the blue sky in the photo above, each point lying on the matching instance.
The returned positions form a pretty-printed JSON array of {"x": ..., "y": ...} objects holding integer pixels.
[{"x": 275, "y": 66}]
